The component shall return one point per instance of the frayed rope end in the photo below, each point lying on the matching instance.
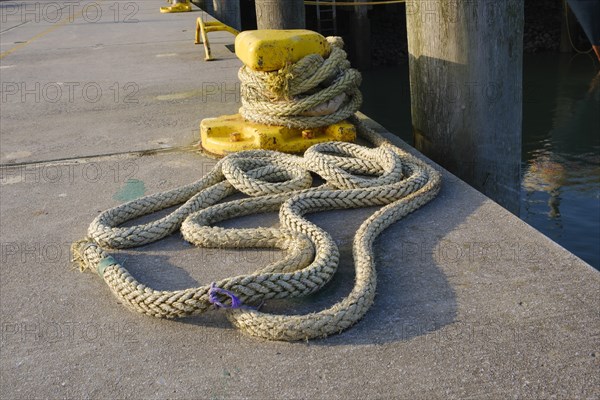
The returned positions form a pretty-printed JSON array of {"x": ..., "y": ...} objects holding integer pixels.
[{"x": 78, "y": 249}]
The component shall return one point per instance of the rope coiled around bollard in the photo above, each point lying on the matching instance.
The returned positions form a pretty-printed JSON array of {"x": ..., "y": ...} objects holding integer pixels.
[
  {"x": 355, "y": 176},
  {"x": 288, "y": 96}
]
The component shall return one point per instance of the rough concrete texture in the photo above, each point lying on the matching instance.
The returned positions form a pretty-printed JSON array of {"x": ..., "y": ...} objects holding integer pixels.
[{"x": 471, "y": 302}]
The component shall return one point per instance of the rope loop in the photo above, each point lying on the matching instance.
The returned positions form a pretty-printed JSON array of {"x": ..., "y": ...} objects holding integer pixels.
[
  {"x": 340, "y": 162},
  {"x": 262, "y": 172}
]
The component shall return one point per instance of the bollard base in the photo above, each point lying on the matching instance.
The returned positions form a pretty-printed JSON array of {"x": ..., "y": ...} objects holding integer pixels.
[
  {"x": 231, "y": 133},
  {"x": 177, "y": 7}
]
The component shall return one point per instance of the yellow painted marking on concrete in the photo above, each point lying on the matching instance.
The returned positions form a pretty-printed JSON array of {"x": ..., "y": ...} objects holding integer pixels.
[
  {"x": 11, "y": 180},
  {"x": 15, "y": 155},
  {"x": 51, "y": 29},
  {"x": 39, "y": 35},
  {"x": 179, "y": 96},
  {"x": 231, "y": 133},
  {"x": 272, "y": 49}
]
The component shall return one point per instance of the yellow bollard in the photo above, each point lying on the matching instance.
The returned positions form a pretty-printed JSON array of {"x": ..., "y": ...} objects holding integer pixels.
[
  {"x": 270, "y": 50},
  {"x": 231, "y": 133},
  {"x": 177, "y": 6}
]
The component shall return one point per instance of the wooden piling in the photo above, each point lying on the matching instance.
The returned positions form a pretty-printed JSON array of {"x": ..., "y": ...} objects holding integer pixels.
[
  {"x": 361, "y": 38},
  {"x": 466, "y": 62},
  {"x": 280, "y": 14}
]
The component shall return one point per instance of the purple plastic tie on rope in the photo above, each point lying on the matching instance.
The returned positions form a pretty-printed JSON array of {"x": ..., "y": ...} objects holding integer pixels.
[{"x": 213, "y": 299}]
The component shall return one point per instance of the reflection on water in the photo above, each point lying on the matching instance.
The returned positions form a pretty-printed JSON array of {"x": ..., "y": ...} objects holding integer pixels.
[
  {"x": 561, "y": 151},
  {"x": 545, "y": 175},
  {"x": 560, "y": 191},
  {"x": 549, "y": 175}
]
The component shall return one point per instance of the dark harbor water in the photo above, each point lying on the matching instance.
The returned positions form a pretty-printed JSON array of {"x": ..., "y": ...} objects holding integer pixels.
[{"x": 560, "y": 182}]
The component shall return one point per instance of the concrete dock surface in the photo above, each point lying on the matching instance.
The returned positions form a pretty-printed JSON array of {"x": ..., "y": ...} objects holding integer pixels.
[{"x": 101, "y": 108}]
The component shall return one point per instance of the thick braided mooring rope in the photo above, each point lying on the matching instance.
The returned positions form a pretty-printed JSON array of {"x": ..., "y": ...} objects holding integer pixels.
[
  {"x": 356, "y": 176},
  {"x": 292, "y": 96}
]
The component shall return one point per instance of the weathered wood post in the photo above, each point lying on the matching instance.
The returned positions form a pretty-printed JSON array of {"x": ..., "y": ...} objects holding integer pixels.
[
  {"x": 361, "y": 37},
  {"x": 280, "y": 14},
  {"x": 465, "y": 63}
]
